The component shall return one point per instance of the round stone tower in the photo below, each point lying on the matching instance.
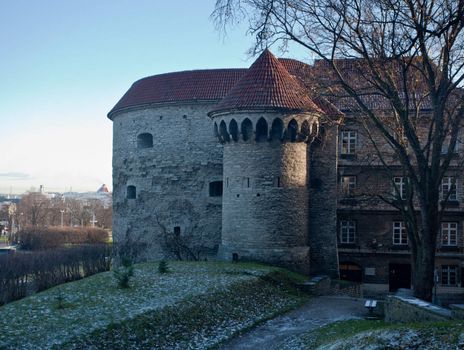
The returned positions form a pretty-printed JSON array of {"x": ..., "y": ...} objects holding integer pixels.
[{"x": 266, "y": 123}]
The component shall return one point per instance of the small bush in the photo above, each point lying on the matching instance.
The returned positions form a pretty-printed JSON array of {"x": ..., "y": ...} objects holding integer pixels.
[
  {"x": 163, "y": 266},
  {"x": 124, "y": 273},
  {"x": 40, "y": 238}
]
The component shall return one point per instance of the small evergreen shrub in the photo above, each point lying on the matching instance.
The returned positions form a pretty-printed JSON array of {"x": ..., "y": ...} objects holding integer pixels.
[
  {"x": 163, "y": 267},
  {"x": 124, "y": 273}
]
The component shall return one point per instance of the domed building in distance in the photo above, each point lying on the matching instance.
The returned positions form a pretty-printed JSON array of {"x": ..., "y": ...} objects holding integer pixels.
[{"x": 255, "y": 165}]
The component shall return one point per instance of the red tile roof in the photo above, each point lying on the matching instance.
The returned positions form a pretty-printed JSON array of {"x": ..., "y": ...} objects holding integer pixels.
[
  {"x": 210, "y": 84},
  {"x": 267, "y": 85},
  {"x": 200, "y": 85}
]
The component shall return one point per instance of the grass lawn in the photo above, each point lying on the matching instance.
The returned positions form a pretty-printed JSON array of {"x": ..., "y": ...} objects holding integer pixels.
[
  {"x": 196, "y": 305},
  {"x": 379, "y": 335}
]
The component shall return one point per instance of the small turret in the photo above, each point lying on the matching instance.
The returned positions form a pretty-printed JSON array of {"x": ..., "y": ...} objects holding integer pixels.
[{"x": 266, "y": 122}]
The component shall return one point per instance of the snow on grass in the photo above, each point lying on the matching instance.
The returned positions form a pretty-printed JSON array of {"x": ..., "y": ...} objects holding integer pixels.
[
  {"x": 378, "y": 335},
  {"x": 94, "y": 308}
]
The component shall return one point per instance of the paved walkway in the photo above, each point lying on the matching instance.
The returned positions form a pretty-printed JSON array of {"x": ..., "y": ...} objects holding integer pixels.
[{"x": 317, "y": 312}]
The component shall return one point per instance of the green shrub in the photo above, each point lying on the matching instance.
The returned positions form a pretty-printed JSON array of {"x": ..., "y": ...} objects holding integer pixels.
[
  {"x": 123, "y": 273},
  {"x": 163, "y": 266}
]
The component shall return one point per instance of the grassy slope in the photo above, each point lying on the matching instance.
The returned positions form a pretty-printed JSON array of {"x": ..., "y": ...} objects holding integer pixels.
[
  {"x": 363, "y": 334},
  {"x": 196, "y": 305}
]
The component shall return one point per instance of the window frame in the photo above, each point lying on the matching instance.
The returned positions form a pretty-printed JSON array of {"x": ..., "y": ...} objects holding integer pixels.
[
  {"x": 348, "y": 187},
  {"x": 451, "y": 231},
  {"x": 448, "y": 273},
  {"x": 347, "y": 233},
  {"x": 348, "y": 142},
  {"x": 451, "y": 185},
  {"x": 399, "y": 234}
]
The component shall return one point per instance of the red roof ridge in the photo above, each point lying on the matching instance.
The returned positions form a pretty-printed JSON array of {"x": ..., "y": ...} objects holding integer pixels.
[{"x": 267, "y": 84}]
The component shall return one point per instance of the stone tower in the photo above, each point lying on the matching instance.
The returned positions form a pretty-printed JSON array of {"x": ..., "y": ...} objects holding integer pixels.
[{"x": 266, "y": 123}]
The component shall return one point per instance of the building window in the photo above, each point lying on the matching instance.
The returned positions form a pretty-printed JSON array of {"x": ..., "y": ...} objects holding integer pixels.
[
  {"x": 449, "y": 233},
  {"x": 348, "y": 142},
  {"x": 400, "y": 187},
  {"x": 348, "y": 185},
  {"x": 177, "y": 230},
  {"x": 131, "y": 192},
  {"x": 400, "y": 236},
  {"x": 448, "y": 275},
  {"x": 145, "y": 140},
  {"x": 347, "y": 231},
  {"x": 449, "y": 189},
  {"x": 215, "y": 189}
]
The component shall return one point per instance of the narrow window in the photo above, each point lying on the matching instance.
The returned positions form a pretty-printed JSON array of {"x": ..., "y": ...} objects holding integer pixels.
[
  {"x": 347, "y": 231},
  {"x": 223, "y": 132},
  {"x": 248, "y": 182},
  {"x": 227, "y": 182},
  {"x": 247, "y": 129},
  {"x": 348, "y": 142},
  {"x": 145, "y": 140},
  {"x": 233, "y": 130},
  {"x": 448, "y": 190},
  {"x": 449, "y": 233},
  {"x": 131, "y": 192},
  {"x": 400, "y": 187},
  {"x": 261, "y": 130},
  {"x": 215, "y": 189},
  {"x": 277, "y": 130},
  {"x": 348, "y": 185},
  {"x": 400, "y": 236},
  {"x": 448, "y": 275},
  {"x": 177, "y": 230},
  {"x": 292, "y": 130},
  {"x": 278, "y": 182}
]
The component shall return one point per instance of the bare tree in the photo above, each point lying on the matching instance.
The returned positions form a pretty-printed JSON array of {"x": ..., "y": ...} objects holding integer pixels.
[
  {"x": 34, "y": 208},
  {"x": 185, "y": 242},
  {"x": 399, "y": 65}
]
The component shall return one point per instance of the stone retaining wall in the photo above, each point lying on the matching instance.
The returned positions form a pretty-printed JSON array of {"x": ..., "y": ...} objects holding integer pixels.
[{"x": 406, "y": 309}]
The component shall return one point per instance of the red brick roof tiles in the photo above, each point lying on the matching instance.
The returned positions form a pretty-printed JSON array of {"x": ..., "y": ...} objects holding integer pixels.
[
  {"x": 267, "y": 85},
  {"x": 200, "y": 85}
]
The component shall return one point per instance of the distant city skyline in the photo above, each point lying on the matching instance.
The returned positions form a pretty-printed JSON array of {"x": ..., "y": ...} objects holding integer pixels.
[{"x": 66, "y": 64}]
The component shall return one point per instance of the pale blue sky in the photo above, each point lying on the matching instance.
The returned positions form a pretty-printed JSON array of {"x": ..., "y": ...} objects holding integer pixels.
[{"x": 64, "y": 64}]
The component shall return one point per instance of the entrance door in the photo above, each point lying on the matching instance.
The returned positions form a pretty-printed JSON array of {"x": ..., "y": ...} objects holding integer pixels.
[
  {"x": 350, "y": 272},
  {"x": 399, "y": 276}
]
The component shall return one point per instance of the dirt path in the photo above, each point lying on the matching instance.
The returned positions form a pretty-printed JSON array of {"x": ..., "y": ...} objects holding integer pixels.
[{"x": 317, "y": 312}]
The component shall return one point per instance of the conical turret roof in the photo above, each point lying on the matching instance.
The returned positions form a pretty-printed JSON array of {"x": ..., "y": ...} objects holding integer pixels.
[{"x": 267, "y": 85}]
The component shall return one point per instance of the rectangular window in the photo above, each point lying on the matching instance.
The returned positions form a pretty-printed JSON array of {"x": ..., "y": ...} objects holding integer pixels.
[
  {"x": 348, "y": 185},
  {"x": 347, "y": 231},
  {"x": 449, "y": 189},
  {"x": 348, "y": 142},
  {"x": 448, "y": 275},
  {"x": 215, "y": 189},
  {"x": 400, "y": 187},
  {"x": 449, "y": 233},
  {"x": 400, "y": 236}
]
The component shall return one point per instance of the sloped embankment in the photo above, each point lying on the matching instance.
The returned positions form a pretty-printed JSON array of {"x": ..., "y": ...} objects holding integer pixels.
[{"x": 196, "y": 305}]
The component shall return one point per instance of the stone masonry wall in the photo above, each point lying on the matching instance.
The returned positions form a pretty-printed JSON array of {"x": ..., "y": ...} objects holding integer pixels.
[
  {"x": 265, "y": 202},
  {"x": 323, "y": 203},
  {"x": 171, "y": 178}
]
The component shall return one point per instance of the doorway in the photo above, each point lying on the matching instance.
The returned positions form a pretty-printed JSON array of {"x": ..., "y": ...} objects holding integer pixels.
[
  {"x": 399, "y": 276},
  {"x": 350, "y": 272}
]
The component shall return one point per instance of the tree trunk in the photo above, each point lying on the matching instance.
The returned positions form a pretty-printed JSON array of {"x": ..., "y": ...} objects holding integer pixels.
[{"x": 423, "y": 258}]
